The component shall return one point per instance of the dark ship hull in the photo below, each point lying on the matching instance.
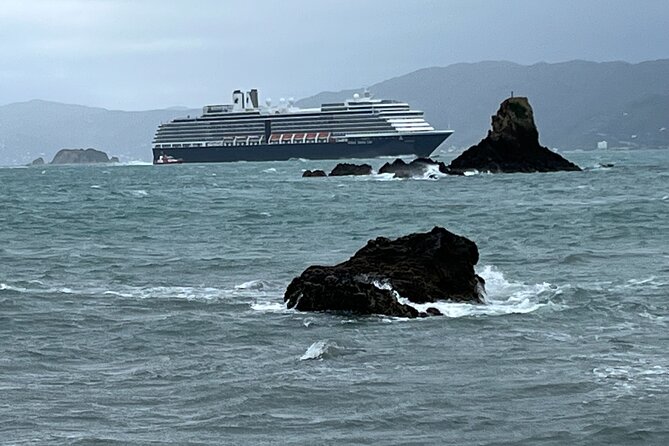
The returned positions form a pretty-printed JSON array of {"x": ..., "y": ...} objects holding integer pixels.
[{"x": 421, "y": 145}]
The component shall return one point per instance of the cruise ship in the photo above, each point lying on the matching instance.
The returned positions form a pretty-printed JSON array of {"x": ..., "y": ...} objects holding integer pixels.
[{"x": 361, "y": 127}]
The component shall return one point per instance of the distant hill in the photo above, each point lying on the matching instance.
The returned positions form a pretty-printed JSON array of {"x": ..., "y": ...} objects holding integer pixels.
[
  {"x": 39, "y": 128},
  {"x": 575, "y": 103}
]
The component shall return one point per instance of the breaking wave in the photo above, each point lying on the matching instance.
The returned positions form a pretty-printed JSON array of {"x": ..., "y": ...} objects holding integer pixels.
[{"x": 502, "y": 297}]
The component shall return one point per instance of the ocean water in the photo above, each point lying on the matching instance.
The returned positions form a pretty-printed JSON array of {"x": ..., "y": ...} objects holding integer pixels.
[{"x": 143, "y": 304}]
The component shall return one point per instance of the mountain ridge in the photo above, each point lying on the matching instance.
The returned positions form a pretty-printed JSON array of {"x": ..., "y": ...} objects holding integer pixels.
[{"x": 577, "y": 103}]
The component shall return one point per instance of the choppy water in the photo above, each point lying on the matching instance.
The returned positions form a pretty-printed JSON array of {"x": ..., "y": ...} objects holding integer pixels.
[{"x": 143, "y": 305}]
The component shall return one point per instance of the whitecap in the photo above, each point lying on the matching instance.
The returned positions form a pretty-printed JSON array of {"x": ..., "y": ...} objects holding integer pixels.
[
  {"x": 469, "y": 173},
  {"x": 7, "y": 287},
  {"x": 270, "y": 170},
  {"x": 257, "y": 284},
  {"x": 384, "y": 177},
  {"x": 502, "y": 297},
  {"x": 318, "y": 350},
  {"x": 431, "y": 173},
  {"x": 139, "y": 193},
  {"x": 639, "y": 376},
  {"x": 96, "y": 186},
  {"x": 269, "y": 307},
  {"x": 136, "y": 163}
]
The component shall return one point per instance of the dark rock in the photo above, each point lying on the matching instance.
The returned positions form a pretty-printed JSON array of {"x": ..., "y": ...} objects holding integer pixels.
[
  {"x": 113, "y": 159},
  {"x": 342, "y": 169},
  {"x": 422, "y": 267},
  {"x": 434, "y": 311},
  {"x": 415, "y": 168},
  {"x": 80, "y": 156},
  {"x": 38, "y": 162},
  {"x": 512, "y": 145},
  {"x": 313, "y": 173}
]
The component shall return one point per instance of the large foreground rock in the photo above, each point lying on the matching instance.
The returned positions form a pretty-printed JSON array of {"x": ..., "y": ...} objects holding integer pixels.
[
  {"x": 81, "y": 156},
  {"x": 422, "y": 267},
  {"x": 512, "y": 145}
]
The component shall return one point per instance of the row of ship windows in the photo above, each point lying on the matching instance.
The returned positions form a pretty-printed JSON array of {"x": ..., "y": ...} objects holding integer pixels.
[
  {"x": 217, "y": 131},
  {"x": 247, "y": 141},
  {"x": 204, "y": 138},
  {"x": 287, "y": 121},
  {"x": 298, "y": 116}
]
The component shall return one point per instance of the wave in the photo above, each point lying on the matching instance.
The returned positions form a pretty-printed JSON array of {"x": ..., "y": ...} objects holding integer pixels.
[
  {"x": 640, "y": 376},
  {"x": 320, "y": 350},
  {"x": 135, "y": 163},
  {"x": 502, "y": 297}
]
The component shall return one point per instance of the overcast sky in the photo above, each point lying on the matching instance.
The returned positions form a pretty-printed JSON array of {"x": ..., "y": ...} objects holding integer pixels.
[{"x": 141, "y": 54}]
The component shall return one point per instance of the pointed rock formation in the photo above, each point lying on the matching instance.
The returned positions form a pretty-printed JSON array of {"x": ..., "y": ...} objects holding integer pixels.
[{"x": 512, "y": 145}]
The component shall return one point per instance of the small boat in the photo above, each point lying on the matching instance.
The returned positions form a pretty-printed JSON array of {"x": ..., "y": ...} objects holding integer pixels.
[{"x": 167, "y": 159}]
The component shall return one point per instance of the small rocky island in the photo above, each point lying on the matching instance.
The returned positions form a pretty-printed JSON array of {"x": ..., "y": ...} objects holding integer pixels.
[
  {"x": 422, "y": 267},
  {"x": 79, "y": 156},
  {"x": 512, "y": 145}
]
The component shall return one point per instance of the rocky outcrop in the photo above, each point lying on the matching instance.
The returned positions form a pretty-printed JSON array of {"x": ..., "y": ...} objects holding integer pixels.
[
  {"x": 422, "y": 267},
  {"x": 416, "y": 168},
  {"x": 80, "y": 156},
  {"x": 38, "y": 162},
  {"x": 342, "y": 169},
  {"x": 512, "y": 145},
  {"x": 313, "y": 173}
]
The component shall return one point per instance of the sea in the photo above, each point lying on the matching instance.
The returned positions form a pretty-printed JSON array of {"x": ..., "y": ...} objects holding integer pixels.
[{"x": 143, "y": 305}]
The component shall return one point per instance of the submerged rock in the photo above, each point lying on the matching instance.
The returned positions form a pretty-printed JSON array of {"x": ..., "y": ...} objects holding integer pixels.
[
  {"x": 512, "y": 145},
  {"x": 421, "y": 267},
  {"x": 342, "y": 169},
  {"x": 313, "y": 173},
  {"x": 80, "y": 156}
]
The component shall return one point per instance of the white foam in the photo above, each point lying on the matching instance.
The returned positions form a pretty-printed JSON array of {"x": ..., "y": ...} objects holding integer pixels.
[
  {"x": 270, "y": 170},
  {"x": 640, "y": 376},
  {"x": 316, "y": 351},
  {"x": 431, "y": 173},
  {"x": 136, "y": 163},
  {"x": 469, "y": 173},
  {"x": 383, "y": 177},
  {"x": 502, "y": 297},
  {"x": 257, "y": 284},
  {"x": 269, "y": 307},
  {"x": 4, "y": 286},
  {"x": 140, "y": 193}
]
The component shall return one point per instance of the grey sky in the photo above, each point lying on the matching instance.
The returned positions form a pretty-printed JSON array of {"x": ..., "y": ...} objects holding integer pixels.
[{"x": 139, "y": 54}]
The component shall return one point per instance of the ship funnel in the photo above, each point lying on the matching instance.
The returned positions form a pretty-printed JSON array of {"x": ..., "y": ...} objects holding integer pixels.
[
  {"x": 237, "y": 100},
  {"x": 254, "y": 97}
]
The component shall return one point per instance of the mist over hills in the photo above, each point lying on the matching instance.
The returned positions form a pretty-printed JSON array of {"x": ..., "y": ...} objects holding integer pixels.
[
  {"x": 576, "y": 104},
  {"x": 40, "y": 128}
]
